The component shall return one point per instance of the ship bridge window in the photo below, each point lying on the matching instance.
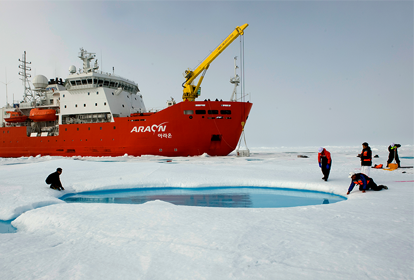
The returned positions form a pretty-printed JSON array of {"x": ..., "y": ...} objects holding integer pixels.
[
  {"x": 213, "y": 112},
  {"x": 89, "y": 81},
  {"x": 95, "y": 81},
  {"x": 188, "y": 112},
  {"x": 106, "y": 83},
  {"x": 84, "y": 82},
  {"x": 200, "y": 112},
  {"x": 78, "y": 83},
  {"x": 225, "y": 112},
  {"x": 111, "y": 84},
  {"x": 100, "y": 82},
  {"x": 73, "y": 83}
]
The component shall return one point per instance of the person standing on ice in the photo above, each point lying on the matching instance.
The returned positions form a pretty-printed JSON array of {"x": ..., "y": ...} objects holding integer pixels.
[
  {"x": 54, "y": 180},
  {"x": 393, "y": 154},
  {"x": 366, "y": 158},
  {"x": 325, "y": 162},
  {"x": 364, "y": 182}
]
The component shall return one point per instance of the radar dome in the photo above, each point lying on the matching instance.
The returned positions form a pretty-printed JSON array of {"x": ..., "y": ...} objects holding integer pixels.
[
  {"x": 72, "y": 69},
  {"x": 40, "y": 81}
]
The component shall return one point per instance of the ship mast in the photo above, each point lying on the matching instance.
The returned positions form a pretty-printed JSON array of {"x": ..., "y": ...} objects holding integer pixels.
[
  {"x": 27, "y": 94},
  {"x": 235, "y": 80}
]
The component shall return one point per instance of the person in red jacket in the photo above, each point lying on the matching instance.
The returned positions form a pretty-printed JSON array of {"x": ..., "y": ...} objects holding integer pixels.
[{"x": 325, "y": 162}]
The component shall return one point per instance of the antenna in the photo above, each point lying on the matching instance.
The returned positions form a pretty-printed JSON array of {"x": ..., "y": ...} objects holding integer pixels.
[
  {"x": 25, "y": 78},
  {"x": 7, "y": 96}
]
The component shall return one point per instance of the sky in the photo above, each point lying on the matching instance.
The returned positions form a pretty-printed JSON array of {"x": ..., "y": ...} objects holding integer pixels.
[{"x": 317, "y": 72}]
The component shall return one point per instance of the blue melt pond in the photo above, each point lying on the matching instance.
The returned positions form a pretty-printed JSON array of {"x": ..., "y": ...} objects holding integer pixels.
[
  {"x": 239, "y": 197},
  {"x": 6, "y": 227}
]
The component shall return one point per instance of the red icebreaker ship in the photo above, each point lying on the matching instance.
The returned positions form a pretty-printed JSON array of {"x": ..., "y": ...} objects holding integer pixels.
[{"x": 92, "y": 113}]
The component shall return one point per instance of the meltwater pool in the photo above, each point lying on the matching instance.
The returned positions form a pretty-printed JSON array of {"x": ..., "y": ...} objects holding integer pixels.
[{"x": 239, "y": 197}]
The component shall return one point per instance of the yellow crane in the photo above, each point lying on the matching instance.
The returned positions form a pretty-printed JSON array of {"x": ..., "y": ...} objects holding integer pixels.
[{"x": 191, "y": 92}]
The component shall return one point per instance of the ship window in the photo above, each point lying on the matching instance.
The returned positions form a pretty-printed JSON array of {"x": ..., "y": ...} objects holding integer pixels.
[
  {"x": 90, "y": 81},
  {"x": 84, "y": 82},
  {"x": 225, "y": 112},
  {"x": 63, "y": 95},
  {"x": 215, "y": 137},
  {"x": 213, "y": 111},
  {"x": 96, "y": 104},
  {"x": 100, "y": 82},
  {"x": 200, "y": 112},
  {"x": 76, "y": 105},
  {"x": 78, "y": 82},
  {"x": 105, "y": 103},
  {"x": 77, "y": 129},
  {"x": 89, "y": 93},
  {"x": 111, "y": 84},
  {"x": 65, "y": 106},
  {"x": 100, "y": 128},
  {"x": 72, "y": 83},
  {"x": 97, "y": 92},
  {"x": 112, "y": 93},
  {"x": 123, "y": 105},
  {"x": 95, "y": 81},
  {"x": 89, "y": 128},
  {"x": 84, "y": 105},
  {"x": 188, "y": 112},
  {"x": 114, "y": 127},
  {"x": 106, "y": 83},
  {"x": 127, "y": 96}
]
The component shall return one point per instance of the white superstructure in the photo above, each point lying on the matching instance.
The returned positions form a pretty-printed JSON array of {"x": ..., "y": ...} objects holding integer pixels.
[{"x": 86, "y": 96}]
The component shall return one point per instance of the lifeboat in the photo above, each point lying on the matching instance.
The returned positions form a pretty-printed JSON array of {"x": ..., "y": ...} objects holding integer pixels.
[
  {"x": 42, "y": 115},
  {"x": 15, "y": 117}
]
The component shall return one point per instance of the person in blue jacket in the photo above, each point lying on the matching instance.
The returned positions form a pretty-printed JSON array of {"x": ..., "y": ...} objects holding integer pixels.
[{"x": 365, "y": 183}]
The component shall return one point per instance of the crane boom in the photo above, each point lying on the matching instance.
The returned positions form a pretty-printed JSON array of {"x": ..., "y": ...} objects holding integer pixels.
[{"x": 190, "y": 92}]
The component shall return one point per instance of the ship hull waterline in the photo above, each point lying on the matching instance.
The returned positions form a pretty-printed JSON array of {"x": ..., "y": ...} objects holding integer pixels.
[{"x": 179, "y": 130}]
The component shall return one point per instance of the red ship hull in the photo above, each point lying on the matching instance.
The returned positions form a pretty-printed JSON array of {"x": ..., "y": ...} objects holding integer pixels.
[{"x": 184, "y": 129}]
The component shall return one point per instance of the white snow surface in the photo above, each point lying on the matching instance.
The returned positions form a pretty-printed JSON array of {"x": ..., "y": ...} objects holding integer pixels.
[{"x": 368, "y": 236}]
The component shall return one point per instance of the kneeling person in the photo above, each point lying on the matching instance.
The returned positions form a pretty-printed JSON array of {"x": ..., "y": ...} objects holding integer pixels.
[
  {"x": 54, "y": 180},
  {"x": 364, "y": 182}
]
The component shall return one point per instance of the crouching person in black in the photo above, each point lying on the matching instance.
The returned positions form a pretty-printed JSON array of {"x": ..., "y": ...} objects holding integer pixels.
[
  {"x": 364, "y": 182},
  {"x": 54, "y": 180}
]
